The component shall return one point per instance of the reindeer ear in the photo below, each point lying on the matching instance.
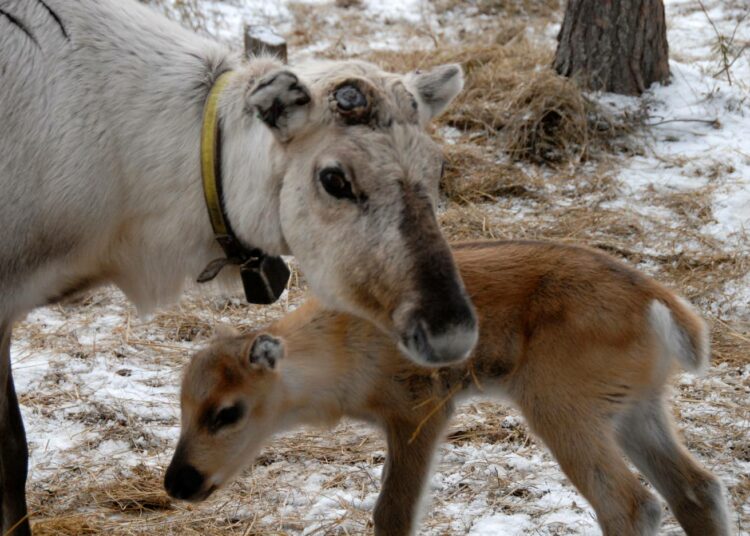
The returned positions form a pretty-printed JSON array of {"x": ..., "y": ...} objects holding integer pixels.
[
  {"x": 266, "y": 351},
  {"x": 225, "y": 331},
  {"x": 282, "y": 102},
  {"x": 435, "y": 89}
]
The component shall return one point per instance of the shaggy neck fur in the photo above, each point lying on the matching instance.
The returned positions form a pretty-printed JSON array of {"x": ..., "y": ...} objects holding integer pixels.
[
  {"x": 253, "y": 166},
  {"x": 251, "y": 183}
]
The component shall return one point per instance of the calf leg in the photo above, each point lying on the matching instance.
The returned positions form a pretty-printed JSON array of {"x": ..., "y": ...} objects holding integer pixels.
[
  {"x": 694, "y": 495},
  {"x": 14, "y": 454},
  {"x": 406, "y": 470},
  {"x": 585, "y": 447}
]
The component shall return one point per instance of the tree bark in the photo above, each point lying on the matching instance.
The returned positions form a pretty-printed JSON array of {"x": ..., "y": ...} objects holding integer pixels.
[{"x": 614, "y": 45}]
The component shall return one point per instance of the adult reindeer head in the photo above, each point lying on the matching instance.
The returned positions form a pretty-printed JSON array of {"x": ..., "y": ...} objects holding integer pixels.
[{"x": 359, "y": 182}]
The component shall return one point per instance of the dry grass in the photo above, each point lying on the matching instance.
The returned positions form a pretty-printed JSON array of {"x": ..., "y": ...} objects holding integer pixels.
[
  {"x": 512, "y": 97},
  {"x": 347, "y": 4},
  {"x": 546, "y": 119},
  {"x": 488, "y": 178},
  {"x": 515, "y": 101},
  {"x": 508, "y": 8}
]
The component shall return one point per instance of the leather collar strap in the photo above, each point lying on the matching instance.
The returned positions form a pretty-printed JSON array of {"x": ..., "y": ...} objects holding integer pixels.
[{"x": 263, "y": 277}]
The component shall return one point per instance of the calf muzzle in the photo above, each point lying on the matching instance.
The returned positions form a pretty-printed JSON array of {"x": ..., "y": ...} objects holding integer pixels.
[{"x": 183, "y": 481}]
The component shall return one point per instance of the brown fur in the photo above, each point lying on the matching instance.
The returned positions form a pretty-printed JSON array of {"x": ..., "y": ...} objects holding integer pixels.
[{"x": 567, "y": 333}]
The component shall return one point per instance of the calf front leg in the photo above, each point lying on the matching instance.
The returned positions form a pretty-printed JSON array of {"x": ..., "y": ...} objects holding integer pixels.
[
  {"x": 14, "y": 454},
  {"x": 407, "y": 468}
]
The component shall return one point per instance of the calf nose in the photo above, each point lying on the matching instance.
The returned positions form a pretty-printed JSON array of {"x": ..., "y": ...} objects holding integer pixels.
[{"x": 183, "y": 481}]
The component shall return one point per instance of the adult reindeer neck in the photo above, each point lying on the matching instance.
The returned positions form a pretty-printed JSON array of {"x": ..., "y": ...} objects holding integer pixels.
[{"x": 264, "y": 277}]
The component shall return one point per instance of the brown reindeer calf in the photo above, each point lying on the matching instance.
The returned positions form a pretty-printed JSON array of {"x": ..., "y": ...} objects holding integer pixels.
[{"x": 580, "y": 342}]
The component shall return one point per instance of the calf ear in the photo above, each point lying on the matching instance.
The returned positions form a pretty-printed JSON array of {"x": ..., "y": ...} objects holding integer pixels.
[
  {"x": 435, "y": 89},
  {"x": 282, "y": 102},
  {"x": 266, "y": 351},
  {"x": 225, "y": 331}
]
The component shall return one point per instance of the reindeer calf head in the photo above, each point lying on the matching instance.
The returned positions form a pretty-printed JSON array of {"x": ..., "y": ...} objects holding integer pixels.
[{"x": 231, "y": 402}]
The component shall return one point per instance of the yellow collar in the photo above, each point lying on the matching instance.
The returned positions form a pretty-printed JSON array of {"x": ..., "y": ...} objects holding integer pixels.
[
  {"x": 263, "y": 277},
  {"x": 211, "y": 156}
]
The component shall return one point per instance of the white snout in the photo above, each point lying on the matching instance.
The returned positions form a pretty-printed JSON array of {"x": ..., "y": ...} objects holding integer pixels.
[{"x": 452, "y": 345}]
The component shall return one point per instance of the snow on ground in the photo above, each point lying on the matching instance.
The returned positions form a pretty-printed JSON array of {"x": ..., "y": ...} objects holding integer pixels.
[
  {"x": 701, "y": 133},
  {"x": 98, "y": 387}
]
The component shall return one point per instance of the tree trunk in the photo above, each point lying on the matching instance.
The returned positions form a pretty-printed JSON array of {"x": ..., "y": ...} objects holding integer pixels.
[{"x": 614, "y": 45}]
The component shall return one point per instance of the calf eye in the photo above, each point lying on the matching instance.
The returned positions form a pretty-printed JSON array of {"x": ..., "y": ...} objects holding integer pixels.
[
  {"x": 227, "y": 416},
  {"x": 334, "y": 182}
]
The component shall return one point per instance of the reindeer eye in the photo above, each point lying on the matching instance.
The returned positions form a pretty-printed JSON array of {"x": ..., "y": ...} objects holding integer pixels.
[
  {"x": 227, "y": 416},
  {"x": 334, "y": 182}
]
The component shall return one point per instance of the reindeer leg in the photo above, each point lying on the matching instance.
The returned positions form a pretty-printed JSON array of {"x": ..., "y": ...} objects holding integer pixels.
[
  {"x": 14, "y": 454},
  {"x": 406, "y": 470},
  {"x": 695, "y": 496},
  {"x": 582, "y": 439}
]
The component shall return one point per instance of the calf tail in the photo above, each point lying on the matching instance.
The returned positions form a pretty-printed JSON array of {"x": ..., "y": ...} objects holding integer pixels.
[{"x": 683, "y": 333}]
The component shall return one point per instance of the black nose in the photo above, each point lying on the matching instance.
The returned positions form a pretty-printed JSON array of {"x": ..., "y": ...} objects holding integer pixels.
[{"x": 183, "y": 481}]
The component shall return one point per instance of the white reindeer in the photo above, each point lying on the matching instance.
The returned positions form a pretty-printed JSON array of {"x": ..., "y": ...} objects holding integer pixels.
[{"x": 101, "y": 105}]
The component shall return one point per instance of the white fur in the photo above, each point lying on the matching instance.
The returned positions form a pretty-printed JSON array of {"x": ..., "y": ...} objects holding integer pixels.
[
  {"x": 436, "y": 89},
  {"x": 100, "y": 153},
  {"x": 675, "y": 340}
]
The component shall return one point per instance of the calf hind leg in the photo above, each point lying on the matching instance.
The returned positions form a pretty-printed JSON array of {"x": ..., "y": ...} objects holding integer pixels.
[
  {"x": 694, "y": 495},
  {"x": 14, "y": 454},
  {"x": 588, "y": 454}
]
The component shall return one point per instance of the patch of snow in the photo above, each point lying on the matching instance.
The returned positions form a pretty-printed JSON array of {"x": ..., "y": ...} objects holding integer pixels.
[
  {"x": 410, "y": 10},
  {"x": 510, "y": 525}
]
